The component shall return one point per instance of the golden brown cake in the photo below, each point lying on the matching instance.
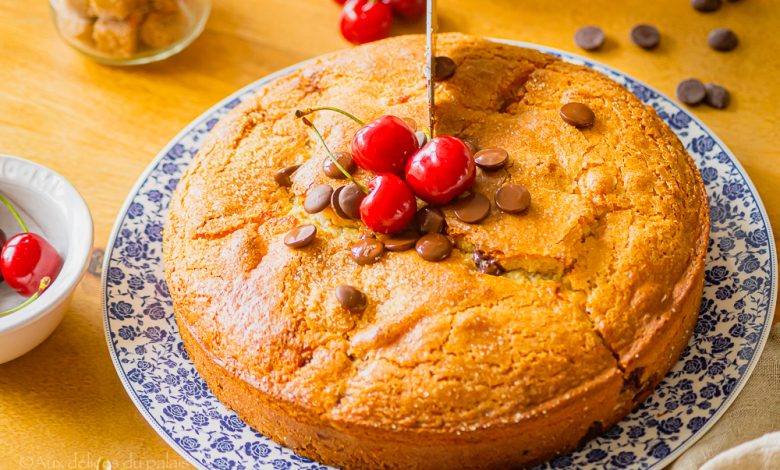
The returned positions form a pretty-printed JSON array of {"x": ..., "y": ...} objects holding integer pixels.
[{"x": 447, "y": 367}]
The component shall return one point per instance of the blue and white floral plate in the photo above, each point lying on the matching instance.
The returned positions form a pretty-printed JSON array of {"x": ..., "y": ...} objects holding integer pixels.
[{"x": 734, "y": 323}]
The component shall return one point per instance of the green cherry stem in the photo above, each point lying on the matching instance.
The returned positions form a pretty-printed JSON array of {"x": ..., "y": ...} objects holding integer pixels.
[
  {"x": 45, "y": 282},
  {"x": 16, "y": 215},
  {"x": 303, "y": 112},
  {"x": 332, "y": 157}
]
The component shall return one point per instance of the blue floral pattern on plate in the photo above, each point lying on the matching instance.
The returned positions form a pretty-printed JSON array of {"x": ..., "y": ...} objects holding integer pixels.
[{"x": 736, "y": 313}]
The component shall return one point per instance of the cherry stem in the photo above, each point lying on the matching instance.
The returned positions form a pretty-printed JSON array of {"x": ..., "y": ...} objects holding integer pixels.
[
  {"x": 303, "y": 112},
  {"x": 333, "y": 157},
  {"x": 16, "y": 215},
  {"x": 45, "y": 282}
]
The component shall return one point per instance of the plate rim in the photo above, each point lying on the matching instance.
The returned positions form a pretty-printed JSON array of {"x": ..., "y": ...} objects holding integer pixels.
[{"x": 144, "y": 176}]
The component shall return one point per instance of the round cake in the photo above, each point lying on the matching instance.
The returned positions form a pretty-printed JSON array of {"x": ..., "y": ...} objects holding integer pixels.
[{"x": 450, "y": 365}]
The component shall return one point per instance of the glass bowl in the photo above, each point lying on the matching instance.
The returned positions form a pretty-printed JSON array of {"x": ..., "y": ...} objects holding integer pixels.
[{"x": 129, "y": 32}]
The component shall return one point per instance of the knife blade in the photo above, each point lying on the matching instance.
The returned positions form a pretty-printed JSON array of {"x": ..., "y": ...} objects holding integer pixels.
[{"x": 430, "y": 57}]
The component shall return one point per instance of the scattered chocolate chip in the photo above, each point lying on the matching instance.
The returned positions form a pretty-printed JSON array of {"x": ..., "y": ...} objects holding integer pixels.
[
  {"x": 589, "y": 38},
  {"x": 334, "y": 202},
  {"x": 706, "y": 6},
  {"x": 723, "y": 39},
  {"x": 472, "y": 148},
  {"x": 491, "y": 159},
  {"x": 444, "y": 68},
  {"x": 646, "y": 36},
  {"x": 282, "y": 177},
  {"x": 345, "y": 160},
  {"x": 691, "y": 91},
  {"x": 578, "y": 115},
  {"x": 434, "y": 247},
  {"x": 411, "y": 122},
  {"x": 717, "y": 96},
  {"x": 402, "y": 241},
  {"x": 429, "y": 220},
  {"x": 351, "y": 298},
  {"x": 473, "y": 208},
  {"x": 349, "y": 200},
  {"x": 486, "y": 264},
  {"x": 317, "y": 198},
  {"x": 513, "y": 198},
  {"x": 422, "y": 138},
  {"x": 367, "y": 251},
  {"x": 300, "y": 236}
]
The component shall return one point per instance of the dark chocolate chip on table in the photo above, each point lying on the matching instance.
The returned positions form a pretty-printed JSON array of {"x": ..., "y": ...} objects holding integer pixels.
[
  {"x": 349, "y": 200},
  {"x": 317, "y": 198},
  {"x": 722, "y": 39},
  {"x": 513, "y": 198},
  {"x": 334, "y": 202},
  {"x": 434, "y": 247},
  {"x": 578, "y": 115},
  {"x": 491, "y": 159},
  {"x": 645, "y": 36},
  {"x": 717, "y": 96},
  {"x": 367, "y": 251},
  {"x": 300, "y": 236},
  {"x": 589, "y": 38},
  {"x": 706, "y": 6},
  {"x": 402, "y": 241},
  {"x": 444, "y": 68},
  {"x": 429, "y": 220},
  {"x": 472, "y": 208},
  {"x": 691, "y": 91},
  {"x": 351, "y": 298},
  {"x": 282, "y": 177},
  {"x": 345, "y": 160}
]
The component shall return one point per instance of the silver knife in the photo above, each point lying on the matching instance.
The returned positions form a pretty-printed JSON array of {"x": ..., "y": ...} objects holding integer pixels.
[{"x": 430, "y": 58}]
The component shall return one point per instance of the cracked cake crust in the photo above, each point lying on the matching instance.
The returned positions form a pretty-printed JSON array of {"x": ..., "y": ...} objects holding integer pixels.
[{"x": 447, "y": 367}]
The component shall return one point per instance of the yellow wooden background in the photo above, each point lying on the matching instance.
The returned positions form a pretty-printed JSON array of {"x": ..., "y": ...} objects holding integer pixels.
[{"x": 62, "y": 406}]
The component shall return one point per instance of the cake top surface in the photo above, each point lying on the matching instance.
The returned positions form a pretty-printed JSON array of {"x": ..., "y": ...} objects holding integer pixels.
[{"x": 617, "y": 223}]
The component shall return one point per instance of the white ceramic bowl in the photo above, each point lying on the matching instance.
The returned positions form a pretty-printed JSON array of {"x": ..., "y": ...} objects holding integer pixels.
[{"x": 52, "y": 207}]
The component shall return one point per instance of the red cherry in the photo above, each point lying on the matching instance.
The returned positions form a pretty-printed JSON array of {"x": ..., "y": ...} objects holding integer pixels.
[
  {"x": 384, "y": 145},
  {"x": 365, "y": 21},
  {"x": 409, "y": 9},
  {"x": 442, "y": 170},
  {"x": 26, "y": 259},
  {"x": 389, "y": 206}
]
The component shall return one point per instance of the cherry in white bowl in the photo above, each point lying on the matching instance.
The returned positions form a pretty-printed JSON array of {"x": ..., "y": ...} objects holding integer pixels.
[{"x": 52, "y": 209}]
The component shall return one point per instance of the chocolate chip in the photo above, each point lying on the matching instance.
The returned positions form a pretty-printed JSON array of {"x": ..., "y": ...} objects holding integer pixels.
[
  {"x": 723, "y": 39},
  {"x": 444, "y": 68},
  {"x": 487, "y": 265},
  {"x": 349, "y": 200},
  {"x": 706, "y": 6},
  {"x": 513, "y": 198},
  {"x": 422, "y": 138},
  {"x": 717, "y": 96},
  {"x": 282, "y": 177},
  {"x": 578, "y": 115},
  {"x": 691, "y": 91},
  {"x": 367, "y": 251},
  {"x": 300, "y": 236},
  {"x": 645, "y": 36},
  {"x": 429, "y": 220},
  {"x": 402, "y": 241},
  {"x": 317, "y": 198},
  {"x": 334, "y": 202},
  {"x": 491, "y": 159},
  {"x": 411, "y": 122},
  {"x": 345, "y": 160},
  {"x": 351, "y": 298},
  {"x": 589, "y": 38},
  {"x": 434, "y": 247},
  {"x": 473, "y": 208}
]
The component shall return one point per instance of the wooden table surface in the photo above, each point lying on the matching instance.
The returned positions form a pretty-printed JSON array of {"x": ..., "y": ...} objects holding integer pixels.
[{"x": 62, "y": 405}]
